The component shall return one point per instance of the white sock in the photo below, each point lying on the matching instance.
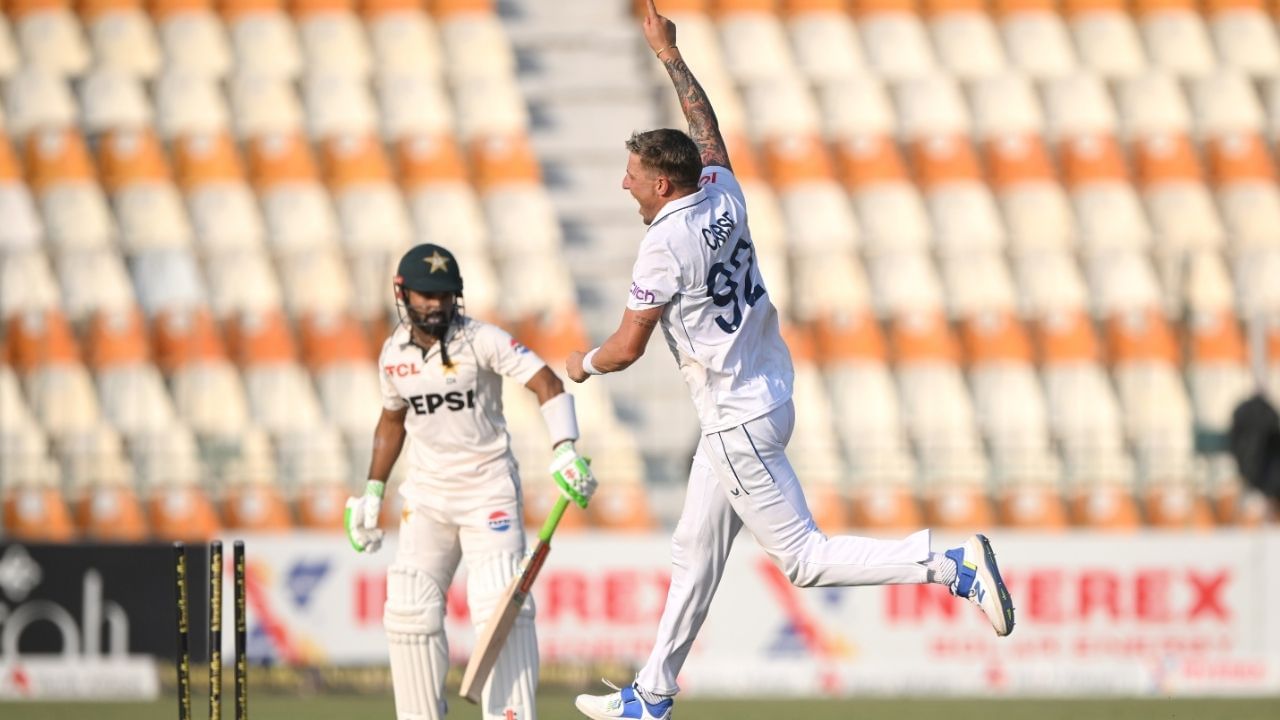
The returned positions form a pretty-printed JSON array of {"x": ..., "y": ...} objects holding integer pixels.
[
  {"x": 650, "y": 697},
  {"x": 942, "y": 569}
]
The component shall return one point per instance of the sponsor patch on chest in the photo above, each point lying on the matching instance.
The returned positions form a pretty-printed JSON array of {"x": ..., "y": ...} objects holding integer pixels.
[{"x": 429, "y": 403}]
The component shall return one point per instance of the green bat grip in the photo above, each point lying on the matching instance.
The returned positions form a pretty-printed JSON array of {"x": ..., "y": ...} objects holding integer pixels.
[{"x": 549, "y": 525}]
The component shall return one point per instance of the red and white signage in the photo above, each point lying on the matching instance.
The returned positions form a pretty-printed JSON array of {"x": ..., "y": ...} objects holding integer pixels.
[{"x": 1151, "y": 613}]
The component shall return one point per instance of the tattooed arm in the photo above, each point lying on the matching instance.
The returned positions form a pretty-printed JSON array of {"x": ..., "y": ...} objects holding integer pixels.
[
  {"x": 703, "y": 127},
  {"x": 623, "y": 347}
]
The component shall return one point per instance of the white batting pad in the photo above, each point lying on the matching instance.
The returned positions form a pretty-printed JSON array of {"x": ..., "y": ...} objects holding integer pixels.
[
  {"x": 419, "y": 653},
  {"x": 514, "y": 680}
]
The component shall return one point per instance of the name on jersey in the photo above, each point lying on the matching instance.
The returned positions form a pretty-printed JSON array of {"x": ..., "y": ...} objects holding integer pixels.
[
  {"x": 453, "y": 401},
  {"x": 719, "y": 231}
]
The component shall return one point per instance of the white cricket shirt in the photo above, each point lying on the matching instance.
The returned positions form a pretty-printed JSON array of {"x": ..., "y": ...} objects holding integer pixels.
[
  {"x": 455, "y": 426},
  {"x": 697, "y": 259}
]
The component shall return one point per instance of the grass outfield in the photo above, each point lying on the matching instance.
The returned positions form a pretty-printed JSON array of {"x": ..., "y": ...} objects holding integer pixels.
[{"x": 560, "y": 707}]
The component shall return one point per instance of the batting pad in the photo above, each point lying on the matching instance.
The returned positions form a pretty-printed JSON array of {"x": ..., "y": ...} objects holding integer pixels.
[
  {"x": 419, "y": 653},
  {"x": 514, "y": 680}
]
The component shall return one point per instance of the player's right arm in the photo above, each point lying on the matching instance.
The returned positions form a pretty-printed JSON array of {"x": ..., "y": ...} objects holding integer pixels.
[
  {"x": 660, "y": 33},
  {"x": 388, "y": 440}
]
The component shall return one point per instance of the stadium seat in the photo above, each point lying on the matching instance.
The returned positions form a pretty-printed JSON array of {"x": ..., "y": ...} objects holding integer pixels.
[
  {"x": 413, "y": 105},
  {"x": 210, "y": 397},
  {"x": 1105, "y": 37},
  {"x": 182, "y": 511},
  {"x": 189, "y": 104},
  {"x": 1123, "y": 282},
  {"x": 978, "y": 283},
  {"x": 338, "y": 105},
  {"x": 754, "y": 42},
  {"x": 490, "y": 107},
  {"x": 61, "y": 174},
  {"x": 905, "y": 282},
  {"x": 1152, "y": 105},
  {"x": 1225, "y": 103},
  {"x": 1005, "y": 106},
  {"x": 121, "y": 35},
  {"x": 1035, "y": 37},
  {"x": 1244, "y": 177},
  {"x": 1175, "y": 35},
  {"x": 930, "y": 106},
  {"x": 34, "y": 511},
  {"x": 301, "y": 276},
  {"x": 193, "y": 37},
  {"x": 780, "y": 108},
  {"x": 22, "y": 229},
  {"x": 836, "y": 290},
  {"x": 965, "y": 38},
  {"x": 185, "y": 334},
  {"x": 894, "y": 38},
  {"x": 1243, "y": 35},
  {"x": 824, "y": 40},
  {"x": 48, "y": 36},
  {"x": 168, "y": 280},
  {"x": 37, "y": 98},
  {"x": 370, "y": 208},
  {"x": 223, "y": 208},
  {"x": 404, "y": 39},
  {"x": 815, "y": 447},
  {"x": 27, "y": 284},
  {"x": 1078, "y": 106},
  {"x": 295, "y": 204},
  {"x": 147, "y": 202},
  {"x": 113, "y": 100},
  {"x": 93, "y": 281},
  {"x": 332, "y": 38},
  {"x": 1034, "y": 206},
  {"x": 474, "y": 42},
  {"x": 888, "y": 205},
  {"x": 263, "y": 38},
  {"x": 264, "y": 106},
  {"x": 1253, "y": 272},
  {"x": 856, "y": 107},
  {"x": 242, "y": 281},
  {"x": 9, "y": 59},
  {"x": 1106, "y": 204},
  {"x": 1178, "y": 201},
  {"x": 963, "y": 211}
]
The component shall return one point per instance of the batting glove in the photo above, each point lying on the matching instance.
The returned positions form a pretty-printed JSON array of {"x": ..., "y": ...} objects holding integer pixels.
[
  {"x": 361, "y": 518},
  {"x": 572, "y": 474}
]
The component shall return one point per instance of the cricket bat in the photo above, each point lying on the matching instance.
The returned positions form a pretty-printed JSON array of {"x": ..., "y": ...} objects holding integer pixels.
[{"x": 494, "y": 636}]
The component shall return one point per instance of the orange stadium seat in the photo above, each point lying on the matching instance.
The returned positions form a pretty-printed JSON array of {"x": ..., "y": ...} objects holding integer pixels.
[
  {"x": 184, "y": 337},
  {"x": 1141, "y": 335},
  {"x": 224, "y": 209},
  {"x": 1107, "y": 207},
  {"x": 995, "y": 337},
  {"x": 888, "y": 204},
  {"x": 108, "y": 512},
  {"x": 923, "y": 337},
  {"x": 499, "y": 161},
  {"x": 37, "y": 513},
  {"x": 61, "y": 174},
  {"x": 1178, "y": 201},
  {"x": 797, "y": 160},
  {"x": 1035, "y": 37},
  {"x": 257, "y": 505},
  {"x": 43, "y": 338},
  {"x": 1244, "y": 177},
  {"x": 182, "y": 512},
  {"x": 370, "y": 208},
  {"x": 333, "y": 339},
  {"x": 425, "y": 160},
  {"x": 150, "y": 210},
  {"x": 260, "y": 339},
  {"x": 117, "y": 339},
  {"x": 296, "y": 206},
  {"x": 1067, "y": 337},
  {"x": 964, "y": 214},
  {"x": 1033, "y": 202}
]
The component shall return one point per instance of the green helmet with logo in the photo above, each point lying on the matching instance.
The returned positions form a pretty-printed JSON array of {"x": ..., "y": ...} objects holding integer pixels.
[{"x": 428, "y": 268}]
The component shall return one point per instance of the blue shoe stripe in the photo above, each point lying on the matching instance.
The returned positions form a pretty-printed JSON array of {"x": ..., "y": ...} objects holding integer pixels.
[{"x": 965, "y": 574}]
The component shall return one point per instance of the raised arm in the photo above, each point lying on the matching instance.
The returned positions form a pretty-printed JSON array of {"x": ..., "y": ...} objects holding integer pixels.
[{"x": 703, "y": 127}]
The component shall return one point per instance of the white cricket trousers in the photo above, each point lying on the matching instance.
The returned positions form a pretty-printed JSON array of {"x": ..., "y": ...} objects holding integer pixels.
[{"x": 741, "y": 476}]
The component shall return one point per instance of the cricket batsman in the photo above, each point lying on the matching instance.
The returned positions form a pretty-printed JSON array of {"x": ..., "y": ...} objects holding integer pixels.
[
  {"x": 697, "y": 275},
  {"x": 441, "y": 377}
]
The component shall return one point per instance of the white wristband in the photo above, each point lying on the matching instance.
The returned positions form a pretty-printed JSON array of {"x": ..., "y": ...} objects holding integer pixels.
[{"x": 586, "y": 362}]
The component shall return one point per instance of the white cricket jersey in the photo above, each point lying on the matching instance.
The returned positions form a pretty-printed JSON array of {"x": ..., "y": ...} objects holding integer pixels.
[
  {"x": 698, "y": 260},
  {"x": 455, "y": 426}
]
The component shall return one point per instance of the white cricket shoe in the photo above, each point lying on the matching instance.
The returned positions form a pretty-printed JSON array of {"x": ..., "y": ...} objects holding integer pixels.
[
  {"x": 624, "y": 703},
  {"x": 978, "y": 580}
]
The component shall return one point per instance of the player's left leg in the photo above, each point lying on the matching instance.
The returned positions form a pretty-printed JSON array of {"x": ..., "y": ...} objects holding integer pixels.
[
  {"x": 493, "y": 546},
  {"x": 752, "y": 467}
]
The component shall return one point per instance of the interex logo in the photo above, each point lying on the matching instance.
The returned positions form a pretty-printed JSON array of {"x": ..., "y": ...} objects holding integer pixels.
[{"x": 20, "y": 574}]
